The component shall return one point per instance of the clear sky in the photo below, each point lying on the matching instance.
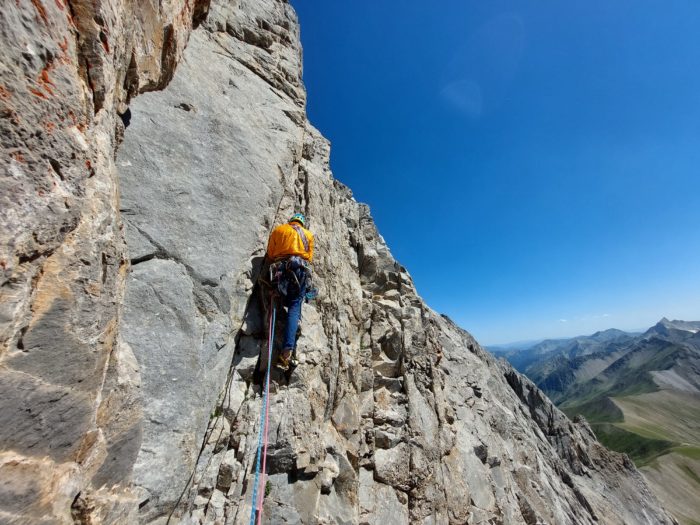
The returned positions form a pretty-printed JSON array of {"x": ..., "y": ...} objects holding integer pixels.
[{"x": 535, "y": 165}]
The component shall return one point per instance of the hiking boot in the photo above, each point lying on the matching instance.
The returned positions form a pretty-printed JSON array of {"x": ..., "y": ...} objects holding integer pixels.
[{"x": 284, "y": 359}]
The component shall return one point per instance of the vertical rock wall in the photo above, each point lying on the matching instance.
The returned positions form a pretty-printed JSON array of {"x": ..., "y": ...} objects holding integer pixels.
[
  {"x": 202, "y": 170},
  {"x": 67, "y": 69}
]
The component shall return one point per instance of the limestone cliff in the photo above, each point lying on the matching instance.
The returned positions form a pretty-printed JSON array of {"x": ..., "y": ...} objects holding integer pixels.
[
  {"x": 128, "y": 381},
  {"x": 68, "y": 68}
]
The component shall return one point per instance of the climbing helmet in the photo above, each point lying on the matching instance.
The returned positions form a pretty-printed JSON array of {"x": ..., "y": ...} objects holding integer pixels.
[{"x": 299, "y": 218}]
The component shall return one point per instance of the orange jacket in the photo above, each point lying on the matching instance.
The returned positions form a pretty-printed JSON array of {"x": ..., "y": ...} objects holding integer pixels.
[{"x": 285, "y": 241}]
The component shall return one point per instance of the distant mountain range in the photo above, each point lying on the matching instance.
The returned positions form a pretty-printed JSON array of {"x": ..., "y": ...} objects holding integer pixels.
[
  {"x": 612, "y": 362},
  {"x": 639, "y": 391},
  {"x": 523, "y": 357}
]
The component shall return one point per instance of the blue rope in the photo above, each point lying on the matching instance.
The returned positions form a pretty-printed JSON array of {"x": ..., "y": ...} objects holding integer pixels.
[{"x": 262, "y": 412}]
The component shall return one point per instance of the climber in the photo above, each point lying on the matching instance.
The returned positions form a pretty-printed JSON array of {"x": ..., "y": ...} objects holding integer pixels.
[{"x": 290, "y": 250}]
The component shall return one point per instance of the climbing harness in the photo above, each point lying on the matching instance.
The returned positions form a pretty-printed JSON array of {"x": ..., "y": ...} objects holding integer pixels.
[
  {"x": 259, "y": 484},
  {"x": 289, "y": 276}
]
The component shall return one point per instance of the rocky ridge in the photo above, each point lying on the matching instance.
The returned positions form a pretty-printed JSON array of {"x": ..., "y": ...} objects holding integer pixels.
[{"x": 395, "y": 414}]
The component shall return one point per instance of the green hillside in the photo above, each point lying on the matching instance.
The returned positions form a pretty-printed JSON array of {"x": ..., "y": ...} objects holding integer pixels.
[{"x": 641, "y": 396}]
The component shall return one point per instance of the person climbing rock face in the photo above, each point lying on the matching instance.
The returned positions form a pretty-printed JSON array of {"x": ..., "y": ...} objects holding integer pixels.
[{"x": 291, "y": 249}]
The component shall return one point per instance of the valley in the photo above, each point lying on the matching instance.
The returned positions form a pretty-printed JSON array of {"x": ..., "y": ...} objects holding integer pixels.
[{"x": 640, "y": 393}]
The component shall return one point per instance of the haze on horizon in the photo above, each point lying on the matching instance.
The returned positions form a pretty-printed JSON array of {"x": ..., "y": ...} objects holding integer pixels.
[{"x": 533, "y": 165}]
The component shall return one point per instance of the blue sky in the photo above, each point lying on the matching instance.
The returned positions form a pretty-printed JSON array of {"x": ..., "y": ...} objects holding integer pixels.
[{"x": 534, "y": 165}]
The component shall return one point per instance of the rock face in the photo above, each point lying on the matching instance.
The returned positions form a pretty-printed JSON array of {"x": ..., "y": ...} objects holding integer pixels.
[
  {"x": 129, "y": 391},
  {"x": 68, "y": 390}
]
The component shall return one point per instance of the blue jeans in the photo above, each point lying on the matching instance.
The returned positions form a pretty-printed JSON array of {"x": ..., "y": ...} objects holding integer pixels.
[{"x": 293, "y": 305}]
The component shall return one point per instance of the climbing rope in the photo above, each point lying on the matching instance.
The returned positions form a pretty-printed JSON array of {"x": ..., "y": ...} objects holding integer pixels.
[{"x": 259, "y": 484}]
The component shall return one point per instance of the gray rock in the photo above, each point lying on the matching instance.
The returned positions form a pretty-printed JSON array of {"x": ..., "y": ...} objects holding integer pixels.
[
  {"x": 227, "y": 471},
  {"x": 379, "y": 504},
  {"x": 330, "y": 471},
  {"x": 160, "y": 324},
  {"x": 66, "y": 73},
  {"x": 346, "y": 417},
  {"x": 385, "y": 439},
  {"x": 216, "y": 509},
  {"x": 393, "y": 466},
  {"x": 208, "y": 470}
]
